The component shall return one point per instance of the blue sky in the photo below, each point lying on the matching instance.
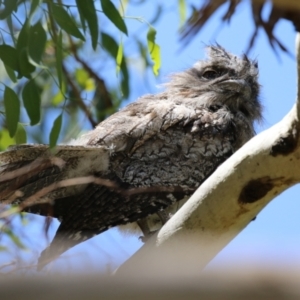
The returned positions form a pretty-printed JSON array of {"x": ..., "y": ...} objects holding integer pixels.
[{"x": 274, "y": 237}]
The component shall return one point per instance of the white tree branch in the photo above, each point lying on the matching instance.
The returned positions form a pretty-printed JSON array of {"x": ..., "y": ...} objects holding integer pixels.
[{"x": 227, "y": 201}]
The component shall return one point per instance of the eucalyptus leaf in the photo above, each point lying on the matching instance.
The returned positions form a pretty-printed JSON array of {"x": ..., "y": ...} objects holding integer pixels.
[
  {"x": 55, "y": 131},
  {"x": 32, "y": 101},
  {"x": 66, "y": 22},
  {"x": 113, "y": 15},
  {"x": 12, "y": 110},
  {"x": 154, "y": 50},
  {"x": 87, "y": 12}
]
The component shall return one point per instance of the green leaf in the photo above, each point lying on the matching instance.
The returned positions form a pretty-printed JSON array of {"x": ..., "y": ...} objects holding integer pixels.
[
  {"x": 32, "y": 101},
  {"x": 60, "y": 95},
  {"x": 82, "y": 20},
  {"x": 10, "y": 72},
  {"x": 12, "y": 110},
  {"x": 5, "y": 139},
  {"x": 87, "y": 12},
  {"x": 58, "y": 98},
  {"x": 37, "y": 42},
  {"x": 111, "y": 46},
  {"x": 54, "y": 134},
  {"x": 59, "y": 58},
  {"x": 10, "y": 6},
  {"x": 34, "y": 5},
  {"x": 26, "y": 68},
  {"x": 9, "y": 56},
  {"x": 66, "y": 22},
  {"x": 11, "y": 28},
  {"x": 113, "y": 15},
  {"x": 154, "y": 50},
  {"x": 119, "y": 57},
  {"x": 84, "y": 80},
  {"x": 125, "y": 79},
  {"x": 182, "y": 12},
  {"x": 21, "y": 136}
]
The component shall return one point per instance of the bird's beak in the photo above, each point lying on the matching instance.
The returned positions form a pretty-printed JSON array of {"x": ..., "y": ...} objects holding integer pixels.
[{"x": 239, "y": 86}]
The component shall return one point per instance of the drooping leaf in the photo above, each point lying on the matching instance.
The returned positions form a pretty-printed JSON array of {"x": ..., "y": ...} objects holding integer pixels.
[
  {"x": 113, "y": 15},
  {"x": 54, "y": 134},
  {"x": 10, "y": 26},
  {"x": 37, "y": 42},
  {"x": 10, "y": 6},
  {"x": 11, "y": 74},
  {"x": 59, "y": 58},
  {"x": 87, "y": 11},
  {"x": 182, "y": 12},
  {"x": 111, "y": 46},
  {"x": 59, "y": 97},
  {"x": 119, "y": 57},
  {"x": 12, "y": 110},
  {"x": 32, "y": 101},
  {"x": 125, "y": 79},
  {"x": 9, "y": 56},
  {"x": 154, "y": 50},
  {"x": 82, "y": 20},
  {"x": 36, "y": 50},
  {"x": 84, "y": 80},
  {"x": 5, "y": 139},
  {"x": 21, "y": 136},
  {"x": 66, "y": 22},
  {"x": 34, "y": 5},
  {"x": 26, "y": 68}
]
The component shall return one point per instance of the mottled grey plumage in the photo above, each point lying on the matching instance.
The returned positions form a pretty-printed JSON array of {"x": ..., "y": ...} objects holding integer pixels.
[{"x": 163, "y": 146}]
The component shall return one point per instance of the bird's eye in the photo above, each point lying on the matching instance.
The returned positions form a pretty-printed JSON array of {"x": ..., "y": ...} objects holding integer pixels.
[{"x": 210, "y": 74}]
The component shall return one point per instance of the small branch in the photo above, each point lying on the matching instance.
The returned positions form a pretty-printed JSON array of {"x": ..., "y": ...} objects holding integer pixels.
[
  {"x": 99, "y": 81},
  {"x": 78, "y": 98}
]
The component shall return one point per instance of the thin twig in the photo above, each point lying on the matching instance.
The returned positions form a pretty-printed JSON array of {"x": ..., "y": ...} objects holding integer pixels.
[
  {"x": 99, "y": 81},
  {"x": 78, "y": 98}
]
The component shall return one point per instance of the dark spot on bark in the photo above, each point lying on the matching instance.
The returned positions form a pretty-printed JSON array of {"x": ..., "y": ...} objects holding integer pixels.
[
  {"x": 285, "y": 145},
  {"x": 254, "y": 190}
]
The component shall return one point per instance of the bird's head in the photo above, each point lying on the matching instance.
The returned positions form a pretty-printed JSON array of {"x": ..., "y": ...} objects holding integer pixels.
[{"x": 222, "y": 79}]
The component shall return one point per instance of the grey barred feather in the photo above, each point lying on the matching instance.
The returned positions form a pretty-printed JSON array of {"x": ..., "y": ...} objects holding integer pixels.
[{"x": 155, "y": 152}]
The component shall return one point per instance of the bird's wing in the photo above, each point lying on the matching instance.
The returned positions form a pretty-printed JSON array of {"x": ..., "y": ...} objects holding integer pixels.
[
  {"x": 197, "y": 150},
  {"x": 129, "y": 128},
  {"x": 28, "y": 169}
]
